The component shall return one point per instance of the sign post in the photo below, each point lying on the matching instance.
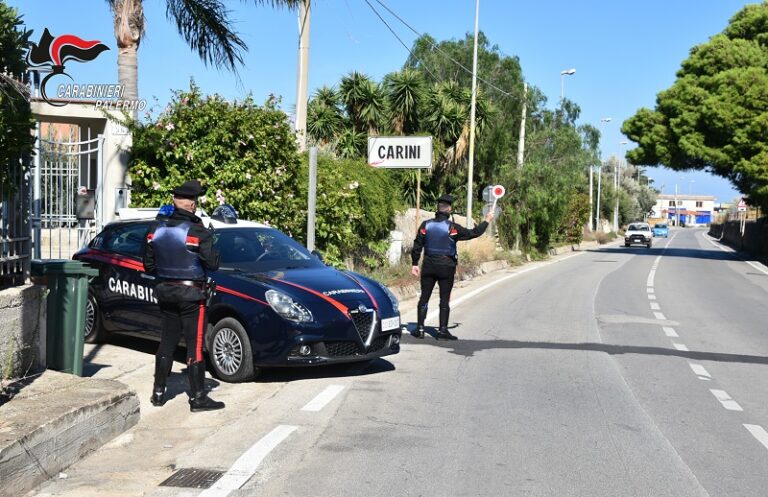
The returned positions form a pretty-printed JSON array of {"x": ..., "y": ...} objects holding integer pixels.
[{"x": 402, "y": 152}]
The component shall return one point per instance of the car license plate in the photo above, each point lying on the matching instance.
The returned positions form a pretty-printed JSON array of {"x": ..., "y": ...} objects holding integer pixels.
[{"x": 390, "y": 323}]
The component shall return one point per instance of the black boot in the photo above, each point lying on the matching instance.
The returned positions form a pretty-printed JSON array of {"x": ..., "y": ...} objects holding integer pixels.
[
  {"x": 199, "y": 400},
  {"x": 442, "y": 332},
  {"x": 162, "y": 370},
  {"x": 421, "y": 317}
]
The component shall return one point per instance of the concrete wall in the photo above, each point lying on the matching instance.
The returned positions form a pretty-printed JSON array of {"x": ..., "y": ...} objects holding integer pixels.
[
  {"x": 22, "y": 330},
  {"x": 754, "y": 241}
]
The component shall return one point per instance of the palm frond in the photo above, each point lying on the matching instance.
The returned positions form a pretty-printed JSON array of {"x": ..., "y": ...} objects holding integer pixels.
[{"x": 206, "y": 27}]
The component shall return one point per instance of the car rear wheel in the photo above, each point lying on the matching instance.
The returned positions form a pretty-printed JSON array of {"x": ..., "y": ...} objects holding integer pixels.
[
  {"x": 230, "y": 351},
  {"x": 626, "y": 245},
  {"x": 93, "y": 331}
]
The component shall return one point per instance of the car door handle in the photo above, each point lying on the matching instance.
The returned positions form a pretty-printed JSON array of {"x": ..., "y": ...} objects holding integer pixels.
[{"x": 147, "y": 276}]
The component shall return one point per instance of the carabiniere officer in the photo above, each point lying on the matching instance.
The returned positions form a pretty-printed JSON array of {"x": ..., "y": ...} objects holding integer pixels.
[
  {"x": 179, "y": 252},
  {"x": 438, "y": 237}
]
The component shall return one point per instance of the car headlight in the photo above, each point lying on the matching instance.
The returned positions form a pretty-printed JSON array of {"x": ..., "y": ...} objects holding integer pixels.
[
  {"x": 288, "y": 308},
  {"x": 392, "y": 298}
]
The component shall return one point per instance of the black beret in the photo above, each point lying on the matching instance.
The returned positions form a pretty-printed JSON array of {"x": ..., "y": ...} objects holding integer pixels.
[
  {"x": 190, "y": 189},
  {"x": 446, "y": 199}
]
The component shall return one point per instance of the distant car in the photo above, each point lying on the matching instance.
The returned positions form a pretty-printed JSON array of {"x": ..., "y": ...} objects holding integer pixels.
[
  {"x": 276, "y": 304},
  {"x": 639, "y": 234},
  {"x": 661, "y": 229}
]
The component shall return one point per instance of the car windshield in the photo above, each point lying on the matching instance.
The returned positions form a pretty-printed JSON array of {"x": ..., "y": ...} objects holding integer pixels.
[
  {"x": 639, "y": 227},
  {"x": 661, "y": 226},
  {"x": 261, "y": 249}
]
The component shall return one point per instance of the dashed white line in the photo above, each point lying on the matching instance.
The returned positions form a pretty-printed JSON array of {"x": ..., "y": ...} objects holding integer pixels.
[
  {"x": 660, "y": 316},
  {"x": 323, "y": 398},
  {"x": 247, "y": 464},
  {"x": 651, "y": 275},
  {"x": 759, "y": 433},
  {"x": 649, "y": 289},
  {"x": 700, "y": 371},
  {"x": 655, "y": 306},
  {"x": 651, "y": 296},
  {"x": 670, "y": 332},
  {"x": 726, "y": 400},
  {"x": 680, "y": 346}
]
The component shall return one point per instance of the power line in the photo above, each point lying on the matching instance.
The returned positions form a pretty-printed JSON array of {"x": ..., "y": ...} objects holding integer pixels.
[
  {"x": 399, "y": 39},
  {"x": 443, "y": 53}
]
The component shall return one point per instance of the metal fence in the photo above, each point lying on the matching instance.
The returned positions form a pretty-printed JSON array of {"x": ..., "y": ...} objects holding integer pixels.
[{"x": 15, "y": 241}]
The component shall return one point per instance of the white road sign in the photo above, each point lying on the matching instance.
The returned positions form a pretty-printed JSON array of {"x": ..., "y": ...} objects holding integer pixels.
[{"x": 400, "y": 151}]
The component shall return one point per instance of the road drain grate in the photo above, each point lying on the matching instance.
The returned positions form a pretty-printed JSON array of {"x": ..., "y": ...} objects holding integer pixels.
[{"x": 192, "y": 478}]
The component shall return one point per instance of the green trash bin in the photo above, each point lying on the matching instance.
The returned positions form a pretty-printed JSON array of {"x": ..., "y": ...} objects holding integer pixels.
[{"x": 67, "y": 282}]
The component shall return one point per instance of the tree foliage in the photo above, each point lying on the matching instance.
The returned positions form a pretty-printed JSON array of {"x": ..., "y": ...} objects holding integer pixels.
[
  {"x": 245, "y": 155},
  {"x": 715, "y": 115},
  {"x": 15, "y": 113}
]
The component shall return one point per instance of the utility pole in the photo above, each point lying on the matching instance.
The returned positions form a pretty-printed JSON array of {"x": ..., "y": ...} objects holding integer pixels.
[
  {"x": 599, "y": 182},
  {"x": 591, "y": 219},
  {"x": 473, "y": 106},
  {"x": 616, "y": 209},
  {"x": 303, "y": 74},
  {"x": 521, "y": 142}
]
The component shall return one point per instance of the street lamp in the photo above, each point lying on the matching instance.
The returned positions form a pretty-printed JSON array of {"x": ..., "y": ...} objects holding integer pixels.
[
  {"x": 567, "y": 72},
  {"x": 599, "y": 182}
]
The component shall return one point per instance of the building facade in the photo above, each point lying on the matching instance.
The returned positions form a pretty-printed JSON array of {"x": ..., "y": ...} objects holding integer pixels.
[{"x": 690, "y": 210}]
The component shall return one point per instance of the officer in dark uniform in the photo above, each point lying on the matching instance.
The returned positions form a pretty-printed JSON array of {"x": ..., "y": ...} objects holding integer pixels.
[
  {"x": 179, "y": 252},
  {"x": 438, "y": 238}
]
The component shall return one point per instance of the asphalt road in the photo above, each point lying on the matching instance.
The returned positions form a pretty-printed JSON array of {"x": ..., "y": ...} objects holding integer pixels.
[{"x": 613, "y": 372}]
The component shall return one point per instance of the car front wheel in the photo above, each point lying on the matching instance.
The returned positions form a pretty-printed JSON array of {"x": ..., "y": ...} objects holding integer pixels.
[{"x": 230, "y": 351}]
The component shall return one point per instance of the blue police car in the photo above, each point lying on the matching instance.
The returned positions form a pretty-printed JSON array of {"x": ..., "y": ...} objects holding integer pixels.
[{"x": 276, "y": 304}]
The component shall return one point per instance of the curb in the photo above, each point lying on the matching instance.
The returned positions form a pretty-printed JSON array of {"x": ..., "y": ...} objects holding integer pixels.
[{"x": 56, "y": 420}]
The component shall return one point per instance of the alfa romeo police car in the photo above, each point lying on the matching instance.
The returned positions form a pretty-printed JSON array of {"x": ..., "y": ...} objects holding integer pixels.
[{"x": 276, "y": 304}]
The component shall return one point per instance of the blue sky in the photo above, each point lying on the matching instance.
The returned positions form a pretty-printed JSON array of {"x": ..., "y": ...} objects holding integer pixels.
[{"x": 624, "y": 51}]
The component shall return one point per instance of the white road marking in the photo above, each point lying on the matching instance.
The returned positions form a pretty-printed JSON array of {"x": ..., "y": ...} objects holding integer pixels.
[
  {"x": 651, "y": 296},
  {"x": 731, "y": 251},
  {"x": 323, "y": 398},
  {"x": 726, "y": 400},
  {"x": 247, "y": 464},
  {"x": 464, "y": 298},
  {"x": 700, "y": 371},
  {"x": 759, "y": 433},
  {"x": 650, "y": 289},
  {"x": 680, "y": 346},
  {"x": 651, "y": 275},
  {"x": 655, "y": 306},
  {"x": 660, "y": 316},
  {"x": 670, "y": 332}
]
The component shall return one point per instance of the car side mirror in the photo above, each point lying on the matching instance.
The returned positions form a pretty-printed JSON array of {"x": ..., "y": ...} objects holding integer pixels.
[{"x": 318, "y": 255}]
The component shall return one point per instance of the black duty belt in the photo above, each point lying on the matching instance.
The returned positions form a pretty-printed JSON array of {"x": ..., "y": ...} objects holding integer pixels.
[{"x": 192, "y": 283}]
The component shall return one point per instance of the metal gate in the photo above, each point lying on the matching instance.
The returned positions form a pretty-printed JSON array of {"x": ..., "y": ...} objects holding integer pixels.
[{"x": 67, "y": 194}]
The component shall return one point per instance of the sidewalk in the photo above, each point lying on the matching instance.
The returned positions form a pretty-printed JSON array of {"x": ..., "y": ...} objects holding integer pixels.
[{"x": 55, "y": 419}]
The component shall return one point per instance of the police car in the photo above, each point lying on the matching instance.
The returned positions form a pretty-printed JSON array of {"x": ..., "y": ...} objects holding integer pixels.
[{"x": 276, "y": 304}]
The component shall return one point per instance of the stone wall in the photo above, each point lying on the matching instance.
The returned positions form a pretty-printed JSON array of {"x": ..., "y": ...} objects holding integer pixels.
[
  {"x": 22, "y": 330},
  {"x": 754, "y": 241}
]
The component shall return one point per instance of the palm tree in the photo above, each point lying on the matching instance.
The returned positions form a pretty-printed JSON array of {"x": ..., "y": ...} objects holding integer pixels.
[
  {"x": 405, "y": 92},
  {"x": 364, "y": 102},
  {"x": 324, "y": 118},
  {"x": 204, "y": 24}
]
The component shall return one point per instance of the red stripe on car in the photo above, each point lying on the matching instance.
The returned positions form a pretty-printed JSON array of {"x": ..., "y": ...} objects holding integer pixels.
[
  {"x": 338, "y": 305},
  {"x": 238, "y": 294}
]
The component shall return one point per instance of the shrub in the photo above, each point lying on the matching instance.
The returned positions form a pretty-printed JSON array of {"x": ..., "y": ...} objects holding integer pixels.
[{"x": 245, "y": 154}]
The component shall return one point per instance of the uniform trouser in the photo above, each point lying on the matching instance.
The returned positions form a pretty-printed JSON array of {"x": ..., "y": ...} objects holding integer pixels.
[
  {"x": 443, "y": 275},
  {"x": 189, "y": 319}
]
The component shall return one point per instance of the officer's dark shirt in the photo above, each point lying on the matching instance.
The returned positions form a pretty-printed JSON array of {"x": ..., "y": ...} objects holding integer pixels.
[
  {"x": 458, "y": 233},
  {"x": 209, "y": 257}
]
